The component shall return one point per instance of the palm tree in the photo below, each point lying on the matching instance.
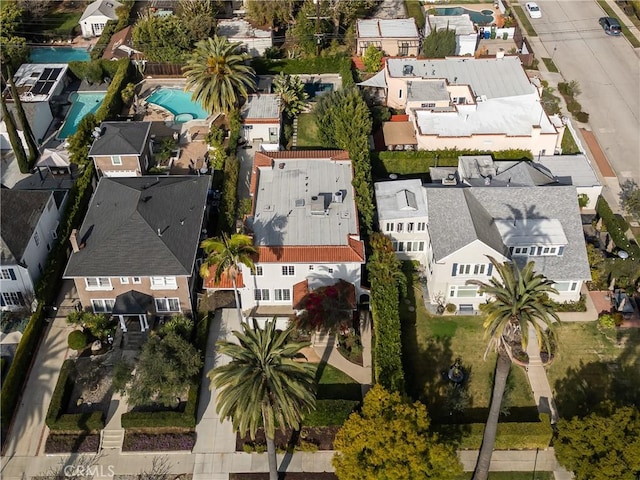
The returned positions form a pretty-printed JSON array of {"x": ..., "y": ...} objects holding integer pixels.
[
  {"x": 225, "y": 255},
  {"x": 519, "y": 300},
  {"x": 218, "y": 74},
  {"x": 264, "y": 383},
  {"x": 293, "y": 98}
]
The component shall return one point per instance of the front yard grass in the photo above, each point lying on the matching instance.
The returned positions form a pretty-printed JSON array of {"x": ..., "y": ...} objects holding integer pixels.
[
  {"x": 308, "y": 134},
  {"x": 431, "y": 345},
  {"x": 569, "y": 145},
  {"x": 594, "y": 365},
  {"x": 337, "y": 385}
]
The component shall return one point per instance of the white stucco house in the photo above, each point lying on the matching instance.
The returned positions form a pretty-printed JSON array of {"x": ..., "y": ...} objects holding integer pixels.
[
  {"x": 30, "y": 222},
  {"x": 466, "y": 35},
  {"x": 261, "y": 118},
  {"x": 468, "y": 103},
  {"x": 39, "y": 86},
  {"x": 96, "y": 15},
  {"x": 254, "y": 40},
  {"x": 393, "y": 36},
  {"x": 304, "y": 225},
  {"x": 452, "y": 227}
]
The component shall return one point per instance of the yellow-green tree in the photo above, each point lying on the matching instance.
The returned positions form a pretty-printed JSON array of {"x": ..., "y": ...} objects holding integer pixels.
[{"x": 390, "y": 439}]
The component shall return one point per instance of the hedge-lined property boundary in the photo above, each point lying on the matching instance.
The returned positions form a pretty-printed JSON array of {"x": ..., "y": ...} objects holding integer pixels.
[
  {"x": 511, "y": 436},
  {"x": 617, "y": 227},
  {"x": 58, "y": 421}
]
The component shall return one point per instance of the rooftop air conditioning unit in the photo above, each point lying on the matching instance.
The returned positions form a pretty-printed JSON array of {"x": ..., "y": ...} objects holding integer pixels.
[
  {"x": 407, "y": 70},
  {"x": 450, "y": 180},
  {"x": 338, "y": 197}
]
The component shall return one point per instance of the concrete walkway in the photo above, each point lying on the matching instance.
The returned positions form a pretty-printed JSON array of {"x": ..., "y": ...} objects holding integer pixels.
[{"x": 542, "y": 393}]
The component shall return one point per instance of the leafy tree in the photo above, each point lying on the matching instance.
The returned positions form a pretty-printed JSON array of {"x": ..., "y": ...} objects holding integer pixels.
[
  {"x": 14, "y": 138},
  {"x": 327, "y": 307},
  {"x": 163, "y": 38},
  {"x": 225, "y": 255},
  {"x": 215, "y": 139},
  {"x": 368, "y": 446},
  {"x": 80, "y": 142},
  {"x": 344, "y": 12},
  {"x": 293, "y": 98},
  {"x": 276, "y": 13},
  {"x": 218, "y": 75},
  {"x": 165, "y": 370},
  {"x": 439, "y": 43},
  {"x": 178, "y": 324},
  {"x": 264, "y": 384},
  {"x": 198, "y": 17},
  {"x": 13, "y": 48},
  {"x": 630, "y": 198},
  {"x": 99, "y": 325},
  {"x": 24, "y": 122},
  {"x": 372, "y": 59},
  {"x": 601, "y": 446},
  {"x": 519, "y": 301},
  {"x": 309, "y": 35}
]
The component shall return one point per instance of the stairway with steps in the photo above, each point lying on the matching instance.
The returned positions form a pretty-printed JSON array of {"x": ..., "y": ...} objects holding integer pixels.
[
  {"x": 111, "y": 439},
  {"x": 134, "y": 340}
]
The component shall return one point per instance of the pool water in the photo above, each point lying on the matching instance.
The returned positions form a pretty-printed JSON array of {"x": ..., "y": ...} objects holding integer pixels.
[
  {"x": 318, "y": 89},
  {"x": 59, "y": 54},
  {"x": 83, "y": 104},
  {"x": 177, "y": 102},
  {"x": 481, "y": 18}
]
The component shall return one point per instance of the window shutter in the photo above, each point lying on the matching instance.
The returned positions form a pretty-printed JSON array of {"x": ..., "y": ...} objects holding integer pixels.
[
  {"x": 454, "y": 270},
  {"x": 490, "y": 270},
  {"x": 12, "y": 274},
  {"x": 560, "y": 251}
]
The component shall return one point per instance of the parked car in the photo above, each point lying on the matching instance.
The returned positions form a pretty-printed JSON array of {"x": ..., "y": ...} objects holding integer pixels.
[
  {"x": 533, "y": 10},
  {"x": 610, "y": 25}
]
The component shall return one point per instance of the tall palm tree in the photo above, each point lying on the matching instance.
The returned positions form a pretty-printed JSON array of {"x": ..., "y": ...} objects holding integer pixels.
[
  {"x": 225, "y": 255},
  {"x": 519, "y": 300},
  {"x": 218, "y": 75},
  {"x": 293, "y": 98},
  {"x": 264, "y": 383}
]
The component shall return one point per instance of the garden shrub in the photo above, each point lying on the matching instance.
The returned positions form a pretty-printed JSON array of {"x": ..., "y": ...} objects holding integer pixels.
[
  {"x": 606, "y": 320},
  {"x": 617, "y": 227},
  {"x": 450, "y": 308},
  {"x": 107, "y": 32},
  {"x": 77, "y": 340},
  {"x": 159, "y": 442},
  {"x": 574, "y": 106},
  {"x": 582, "y": 117},
  {"x": 330, "y": 412},
  {"x": 571, "y": 306},
  {"x": 229, "y": 194},
  {"x": 65, "y": 443}
]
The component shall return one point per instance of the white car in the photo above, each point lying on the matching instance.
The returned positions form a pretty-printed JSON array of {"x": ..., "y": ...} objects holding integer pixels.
[{"x": 533, "y": 10}]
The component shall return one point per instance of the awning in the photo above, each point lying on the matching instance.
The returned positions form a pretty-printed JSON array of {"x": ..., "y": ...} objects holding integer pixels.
[
  {"x": 377, "y": 81},
  {"x": 132, "y": 303}
]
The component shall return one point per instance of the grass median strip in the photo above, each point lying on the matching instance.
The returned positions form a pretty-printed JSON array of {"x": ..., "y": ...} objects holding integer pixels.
[{"x": 524, "y": 20}]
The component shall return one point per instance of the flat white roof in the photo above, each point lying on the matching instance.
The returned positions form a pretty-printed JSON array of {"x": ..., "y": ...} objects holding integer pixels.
[
  {"x": 37, "y": 81},
  {"x": 510, "y": 116},
  {"x": 294, "y": 203},
  {"x": 261, "y": 106},
  {"x": 387, "y": 28},
  {"x": 462, "y": 24},
  {"x": 570, "y": 169},
  {"x": 400, "y": 199},
  {"x": 531, "y": 231}
]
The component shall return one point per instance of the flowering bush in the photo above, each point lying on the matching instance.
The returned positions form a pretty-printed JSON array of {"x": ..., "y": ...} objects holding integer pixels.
[{"x": 327, "y": 307}]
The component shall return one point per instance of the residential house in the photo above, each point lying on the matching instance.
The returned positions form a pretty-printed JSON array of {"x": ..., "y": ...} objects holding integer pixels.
[
  {"x": 30, "y": 222},
  {"x": 254, "y": 40},
  {"x": 39, "y": 86},
  {"x": 96, "y": 15},
  {"x": 121, "y": 46},
  {"x": 468, "y": 103},
  {"x": 395, "y": 37},
  {"x": 451, "y": 229},
  {"x": 135, "y": 254},
  {"x": 466, "y": 35},
  {"x": 122, "y": 149},
  {"x": 261, "y": 118},
  {"x": 573, "y": 170},
  {"x": 304, "y": 224}
]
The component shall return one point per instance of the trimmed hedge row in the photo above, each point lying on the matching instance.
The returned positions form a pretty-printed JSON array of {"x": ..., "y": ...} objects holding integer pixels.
[
  {"x": 510, "y": 436},
  {"x": 58, "y": 421},
  {"x": 419, "y": 161},
  {"x": 229, "y": 200},
  {"x": 314, "y": 65},
  {"x": 330, "y": 412},
  {"x": 617, "y": 227}
]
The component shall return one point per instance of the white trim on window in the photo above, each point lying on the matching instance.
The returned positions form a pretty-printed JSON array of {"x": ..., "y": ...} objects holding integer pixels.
[
  {"x": 116, "y": 160},
  {"x": 124, "y": 280},
  {"x": 164, "y": 283},
  {"x": 261, "y": 294},
  {"x": 422, "y": 226},
  {"x": 165, "y": 305},
  {"x": 288, "y": 270},
  {"x": 98, "y": 283},
  {"x": 282, "y": 295},
  {"x": 258, "y": 271},
  {"x": 464, "y": 291},
  {"x": 137, "y": 280},
  {"x": 102, "y": 305}
]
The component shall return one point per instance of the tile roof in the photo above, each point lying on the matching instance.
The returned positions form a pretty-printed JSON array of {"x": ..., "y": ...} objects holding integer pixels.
[
  {"x": 225, "y": 282},
  {"x": 20, "y": 213},
  {"x": 312, "y": 254},
  {"x": 141, "y": 226},
  {"x": 300, "y": 291}
]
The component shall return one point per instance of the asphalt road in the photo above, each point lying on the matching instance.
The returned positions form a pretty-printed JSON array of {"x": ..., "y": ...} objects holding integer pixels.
[{"x": 608, "y": 71}]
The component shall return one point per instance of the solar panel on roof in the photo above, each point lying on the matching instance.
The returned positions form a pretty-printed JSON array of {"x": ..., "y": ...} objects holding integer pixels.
[
  {"x": 45, "y": 73},
  {"x": 54, "y": 74}
]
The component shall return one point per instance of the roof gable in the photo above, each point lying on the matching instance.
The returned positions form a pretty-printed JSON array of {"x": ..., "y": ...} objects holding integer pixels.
[
  {"x": 106, "y": 8},
  {"x": 121, "y": 138},
  {"x": 20, "y": 213}
]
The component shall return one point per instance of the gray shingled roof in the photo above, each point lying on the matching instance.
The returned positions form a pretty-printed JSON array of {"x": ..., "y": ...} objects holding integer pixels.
[
  {"x": 121, "y": 138},
  {"x": 120, "y": 230},
  {"x": 102, "y": 7},
  {"x": 20, "y": 213}
]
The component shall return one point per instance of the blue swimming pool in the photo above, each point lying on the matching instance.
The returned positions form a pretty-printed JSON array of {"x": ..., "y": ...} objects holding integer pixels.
[
  {"x": 59, "y": 54},
  {"x": 485, "y": 17},
  {"x": 177, "y": 102},
  {"x": 83, "y": 104}
]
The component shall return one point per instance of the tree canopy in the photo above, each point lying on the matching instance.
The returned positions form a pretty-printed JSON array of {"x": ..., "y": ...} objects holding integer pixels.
[
  {"x": 439, "y": 43},
  {"x": 369, "y": 447},
  {"x": 601, "y": 446},
  {"x": 13, "y": 47},
  {"x": 372, "y": 59}
]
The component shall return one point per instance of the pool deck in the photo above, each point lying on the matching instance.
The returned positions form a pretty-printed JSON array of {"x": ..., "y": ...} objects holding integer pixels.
[{"x": 476, "y": 7}]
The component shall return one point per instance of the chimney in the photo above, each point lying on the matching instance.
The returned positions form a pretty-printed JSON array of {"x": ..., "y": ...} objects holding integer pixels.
[{"x": 73, "y": 238}]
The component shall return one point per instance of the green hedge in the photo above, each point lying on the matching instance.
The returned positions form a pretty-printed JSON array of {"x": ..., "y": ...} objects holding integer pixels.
[
  {"x": 510, "y": 436},
  {"x": 415, "y": 10},
  {"x": 419, "y": 161},
  {"x": 229, "y": 201},
  {"x": 617, "y": 227},
  {"x": 112, "y": 103},
  {"x": 330, "y": 412},
  {"x": 314, "y": 65}
]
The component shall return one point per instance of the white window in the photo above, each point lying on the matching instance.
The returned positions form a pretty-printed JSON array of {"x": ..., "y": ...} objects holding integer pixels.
[
  {"x": 167, "y": 283},
  {"x": 415, "y": 246},
  {"x": 98, "y": 283},
  {"x": 400, "y": 227},
  {"x": 565, "y": 286},
  {"x": 102, "y": 305},
  {"x": 389, "y": 227},
  {"x": 36, "y": 238},
  {"x": 422, "y": 226},
  {"x": 410, "y": 227},
  {"x": 116, "y": 159},
  {"x": 167, "y": 304},
  {"x": 8, "y": 274},
  {"x": 549, "y": 250},
  {"x": 400, "y": 247},
  {"x": 261, "y": 294},
  {"x": 464, "y": 269},
  {"x": 463, "y": 291},
  {"x": 288, "y": 270},
  {"x": 479, "y": 268},
  {"x": 520, "y": 251},
  {"x": 282, "y": 295},
  {"x": 257, "y": 271},
  {"x": 137, "y": 280},
  {"x": 12, "y": 299},
  {"x": 124, "y": 280}
]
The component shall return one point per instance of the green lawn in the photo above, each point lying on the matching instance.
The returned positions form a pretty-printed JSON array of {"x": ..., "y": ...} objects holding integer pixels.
[
  {"x": 335, "y": 384},
  {"x": 308, "y": 135},
  {"x": 430, "y": 346},
  {"x": 569, "y": 146},
  {"x": 593, "y": 365},
  {"x": 550, "y": 65},
  {"x": 512, "y": 476},
  {"x": 524, "y": 20}
]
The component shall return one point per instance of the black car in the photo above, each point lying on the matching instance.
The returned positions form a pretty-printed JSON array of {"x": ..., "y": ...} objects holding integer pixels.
[{"x": 610, "y": 25}]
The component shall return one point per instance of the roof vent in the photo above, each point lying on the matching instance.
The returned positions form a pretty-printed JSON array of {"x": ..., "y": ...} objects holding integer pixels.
[
  {"x": 407, "y": 70},
  {"x": 300, "y": 202},
  {"x": 338, "y": 197}
]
